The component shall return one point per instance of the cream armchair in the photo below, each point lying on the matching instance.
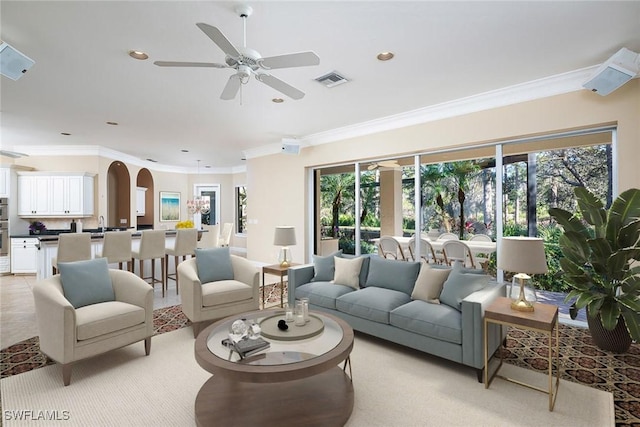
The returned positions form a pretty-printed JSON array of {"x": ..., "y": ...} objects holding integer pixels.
[
  {"x": 68, "y": 334},
  {"x": 202, "y": 302}
]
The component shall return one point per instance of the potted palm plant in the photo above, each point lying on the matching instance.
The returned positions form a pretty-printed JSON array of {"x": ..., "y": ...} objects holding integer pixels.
[{"x": 601, "y": 251}]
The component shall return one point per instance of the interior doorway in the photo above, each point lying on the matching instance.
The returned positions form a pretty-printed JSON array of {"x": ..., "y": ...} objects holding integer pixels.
[{"x": 210, "y": 192}]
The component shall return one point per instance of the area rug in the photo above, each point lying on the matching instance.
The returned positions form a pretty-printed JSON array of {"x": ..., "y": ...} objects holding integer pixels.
[
  {"x": 582, "y": 361},
  {"x": 393, "y": 386}
]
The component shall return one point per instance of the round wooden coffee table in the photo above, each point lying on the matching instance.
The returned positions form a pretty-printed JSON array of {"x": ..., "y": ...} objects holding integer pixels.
[{"x": 293, "y": 383}]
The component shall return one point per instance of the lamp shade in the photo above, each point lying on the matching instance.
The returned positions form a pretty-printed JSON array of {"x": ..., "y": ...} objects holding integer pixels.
[
  {"x": 284, "y": 236},
  {"x": 522, "y": 255}
]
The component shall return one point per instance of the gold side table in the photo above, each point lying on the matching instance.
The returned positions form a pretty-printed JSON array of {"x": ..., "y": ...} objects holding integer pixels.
[
  {"x": 544, "y": 320},
  {"x": 275, "y": 270}
]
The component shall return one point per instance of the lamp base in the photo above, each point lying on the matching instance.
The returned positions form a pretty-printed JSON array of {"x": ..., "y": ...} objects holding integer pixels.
[
  {"x": 285, "y": 264},
  {"x": 522, "y": 306},
  {"x": 521, "y": 303}
]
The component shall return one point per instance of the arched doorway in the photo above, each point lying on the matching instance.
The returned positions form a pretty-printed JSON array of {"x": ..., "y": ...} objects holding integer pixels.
[
  {"x": 144, "y": 197},
  {"x": 118, "y": 196}
]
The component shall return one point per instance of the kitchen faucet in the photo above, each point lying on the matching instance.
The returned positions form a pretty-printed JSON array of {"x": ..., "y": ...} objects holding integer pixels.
[{"x": 101, "y": 224}]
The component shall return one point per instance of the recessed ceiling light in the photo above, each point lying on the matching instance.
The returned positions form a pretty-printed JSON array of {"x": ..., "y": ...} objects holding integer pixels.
[
  {"x": 277, "y": 100},
  {"x": 385, "y": 56},
  {"x": 136, "y": 54},
  {"x": 185, "y": 151},
  {"x": 112, "y": 123},
  {"x": 65, "y": 133},
  {"x": 208, "y": 166}
]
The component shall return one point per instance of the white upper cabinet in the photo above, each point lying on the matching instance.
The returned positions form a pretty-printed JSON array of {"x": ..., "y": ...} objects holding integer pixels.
[
  {"x": 55, "y": 195},
  {"x": 5, "y": 182}
]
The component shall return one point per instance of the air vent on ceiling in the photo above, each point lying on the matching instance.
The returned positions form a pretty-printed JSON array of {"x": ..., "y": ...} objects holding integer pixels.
[{"x": 331, "y": 79}]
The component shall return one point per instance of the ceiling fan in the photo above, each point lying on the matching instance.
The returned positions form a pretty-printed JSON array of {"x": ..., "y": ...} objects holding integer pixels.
[
  {"x": 383, "y": 164},
  {"x": 248, "y": 62}
]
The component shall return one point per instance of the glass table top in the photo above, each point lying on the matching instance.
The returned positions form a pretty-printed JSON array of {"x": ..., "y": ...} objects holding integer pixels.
[{"x": 280, "y": 352}]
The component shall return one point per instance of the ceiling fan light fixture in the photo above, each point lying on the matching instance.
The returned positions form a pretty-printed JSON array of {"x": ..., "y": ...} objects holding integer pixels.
[
  {"x": 137, "y": 54},
  {"x": 385, "y": 56}
]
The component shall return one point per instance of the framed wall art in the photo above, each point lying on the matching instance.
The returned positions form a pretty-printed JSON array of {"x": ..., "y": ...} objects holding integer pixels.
[{"x": 169, "y": 206}]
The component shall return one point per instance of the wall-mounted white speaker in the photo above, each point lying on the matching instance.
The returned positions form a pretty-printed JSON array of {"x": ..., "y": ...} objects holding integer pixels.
[
  {"x": 13, "y": 63},
  {"x": 613, "y": 73},
  {"x": 290, "y": 146}
]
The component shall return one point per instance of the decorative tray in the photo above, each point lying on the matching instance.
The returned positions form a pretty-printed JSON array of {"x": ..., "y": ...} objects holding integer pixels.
[{"x": 269, "y": 328}]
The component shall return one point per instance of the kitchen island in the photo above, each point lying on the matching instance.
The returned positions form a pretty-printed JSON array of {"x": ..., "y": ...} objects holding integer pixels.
[{"x": 48, "y": 248}]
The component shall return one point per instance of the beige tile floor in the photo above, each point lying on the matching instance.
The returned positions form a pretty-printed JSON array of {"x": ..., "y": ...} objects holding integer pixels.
[{"x": 17, "y": 311}]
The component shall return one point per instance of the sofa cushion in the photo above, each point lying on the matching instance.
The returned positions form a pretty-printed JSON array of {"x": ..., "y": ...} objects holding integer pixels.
[
  {"x": 324, "y": 267},
  {"x": 460, "y": 284},
  {"x": 364, "y": 270},
  {"x": 391, "y": 274},
  {"x": 348, "y": 272},
  {"x": 99, "y": 319},
  {"x": 372, "y": 303},
  {"x": 429, "y": 284},
  {"x": 441, "y": 322},
  {"x": 214, "y": 264},
  {"x": 224, "y": 292},
  {"x": 322, "y": 294},
  {"x": 86, "y": 282}
]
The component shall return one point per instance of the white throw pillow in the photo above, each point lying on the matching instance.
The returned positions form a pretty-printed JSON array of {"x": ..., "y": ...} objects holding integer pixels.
[
  {"x": 429, "y": 284},
  {"x": 347, "y": 271}
]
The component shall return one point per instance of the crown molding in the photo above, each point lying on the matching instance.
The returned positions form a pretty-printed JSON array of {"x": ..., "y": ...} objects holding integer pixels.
[
  {"x": 529, "y": 91},
  {"x": 99, "y": 151}
]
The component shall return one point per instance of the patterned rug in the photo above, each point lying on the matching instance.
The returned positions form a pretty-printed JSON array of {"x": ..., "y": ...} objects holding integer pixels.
[{"x": 582, "y": 362}]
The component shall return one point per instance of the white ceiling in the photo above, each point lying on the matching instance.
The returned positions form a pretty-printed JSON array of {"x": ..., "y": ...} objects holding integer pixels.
[{"x": 83, "y": 76}]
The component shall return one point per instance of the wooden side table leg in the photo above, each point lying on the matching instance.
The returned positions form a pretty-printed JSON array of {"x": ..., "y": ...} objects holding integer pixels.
[
  {"x": 486, "y": 356},
  {"x": 281, "y": 290},
  {"x": 264, "y": 303}
]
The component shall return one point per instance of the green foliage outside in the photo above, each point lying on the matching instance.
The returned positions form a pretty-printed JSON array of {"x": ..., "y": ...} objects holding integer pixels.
[{"x": 460, "y": 197}]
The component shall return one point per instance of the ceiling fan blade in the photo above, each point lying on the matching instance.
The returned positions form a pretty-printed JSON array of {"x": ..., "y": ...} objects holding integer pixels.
[
  {"x": 300, "y": 59},
  {"x": 280, "y": 86},
  {"x": 218, "y": 38},
  {"x": 231, "y": 88},
  {"x": 189, "y": 64}
]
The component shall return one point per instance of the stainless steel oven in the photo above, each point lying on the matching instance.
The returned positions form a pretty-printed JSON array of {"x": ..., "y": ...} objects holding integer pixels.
[
  {"x": 4, "y": 238},
  {"x": 4, "y": 209}
]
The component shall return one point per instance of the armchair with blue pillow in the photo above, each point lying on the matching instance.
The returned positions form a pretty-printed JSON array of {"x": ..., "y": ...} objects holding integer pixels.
[
  {"x": 89, "y": 309},
  {"x": 216, "y": 284}
]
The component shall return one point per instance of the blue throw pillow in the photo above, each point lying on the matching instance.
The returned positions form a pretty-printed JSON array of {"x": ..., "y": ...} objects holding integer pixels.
[
  {"x": 461, "y": 284},
  {"x": 324, "y": 267},
  {"x": 214, "y": 264},
  {"x": 86, "y": 282},
  {"x": 391, "y": 274}
]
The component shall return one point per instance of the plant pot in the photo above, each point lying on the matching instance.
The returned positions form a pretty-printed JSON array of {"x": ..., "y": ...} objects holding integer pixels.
[{"x": 618, "y": 340}]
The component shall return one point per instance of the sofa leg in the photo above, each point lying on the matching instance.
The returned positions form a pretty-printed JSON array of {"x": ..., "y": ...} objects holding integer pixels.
[
  {"x": 147, "y": 346},
  {"x": 480, "y": 374},
  {"x": 66, "y": 373}
]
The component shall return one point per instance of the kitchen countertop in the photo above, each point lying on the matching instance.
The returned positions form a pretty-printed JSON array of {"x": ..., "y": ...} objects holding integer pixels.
[{"x": 94, "y": 235}]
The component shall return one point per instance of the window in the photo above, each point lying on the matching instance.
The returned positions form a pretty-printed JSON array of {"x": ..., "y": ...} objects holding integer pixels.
[{"x": 241, "y": 209}]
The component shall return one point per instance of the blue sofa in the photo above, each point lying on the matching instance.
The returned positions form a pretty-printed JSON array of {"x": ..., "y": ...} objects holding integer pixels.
[{"x": 379, "y": 302}]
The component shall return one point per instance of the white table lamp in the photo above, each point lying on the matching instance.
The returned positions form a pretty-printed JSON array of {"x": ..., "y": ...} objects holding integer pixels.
[
  {"x": 524, "y": 256},
  {"x": 285, "y": 236}
]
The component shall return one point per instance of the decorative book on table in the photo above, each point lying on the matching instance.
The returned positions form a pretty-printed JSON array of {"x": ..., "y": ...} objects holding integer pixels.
[{"x": 247, "y": 347}]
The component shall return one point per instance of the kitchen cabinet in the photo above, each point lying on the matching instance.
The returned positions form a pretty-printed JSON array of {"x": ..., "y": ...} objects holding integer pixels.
[
  {"x": 5, "y": 183},
  {"x": 141, "y": 194},
  {"x": 55, "y": 195},
  {"x": 24, "y": 255}
]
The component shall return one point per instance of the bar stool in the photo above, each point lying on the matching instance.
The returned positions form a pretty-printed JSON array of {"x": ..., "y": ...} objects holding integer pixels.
[
  {"x": 225, "y": 234},
  {"x": 116, "y": 247},
  {"x": 72, "y": 247},
  {"x": 151, "y": 248},
  {"x": 184, "y": 244},
  {"x": 211, "y": 238}
]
